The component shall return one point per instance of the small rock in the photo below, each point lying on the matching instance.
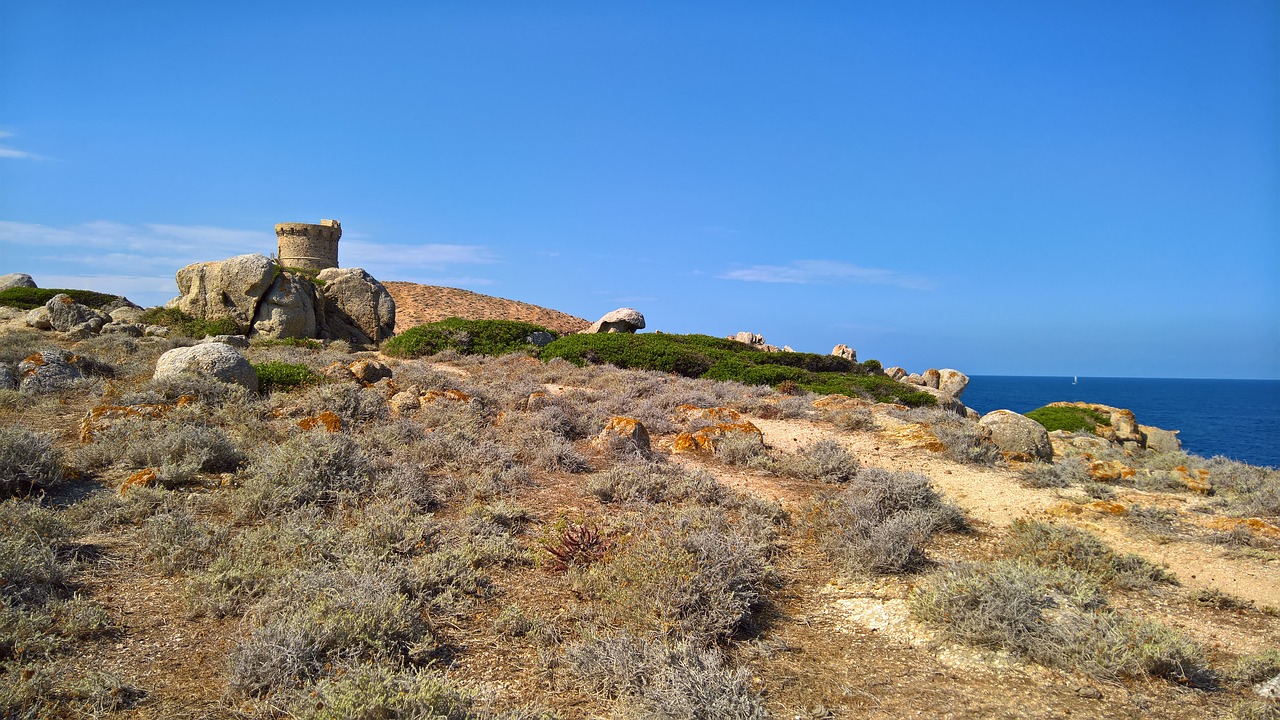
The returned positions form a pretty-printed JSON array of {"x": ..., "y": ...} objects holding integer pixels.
[
  {"x": 1018, "y": 436},
  {"x": 369, "y": 371},
  {"x": 52, "y": 369},
  {"x": 1268, "y": 689},
  {"x": 626, "y": 429},
  {"x": 338, "y": 371},
  {"x": 540, "y": 338},
  {"x": 39, "y": 319},
  {"x": 156, "y": 331},
  {"x": 895, "y": 373},
  {"x": 124, "y": 328},
  {"x": 1090, "y": 692},
  {"x": 404, "y": 402}
]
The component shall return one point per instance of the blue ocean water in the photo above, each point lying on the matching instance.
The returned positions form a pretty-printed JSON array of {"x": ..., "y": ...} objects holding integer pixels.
[{"x": 1239, "y": 419}]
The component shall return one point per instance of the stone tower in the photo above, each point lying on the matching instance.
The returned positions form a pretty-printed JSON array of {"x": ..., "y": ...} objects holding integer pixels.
[{"x": 310, "y": 247}]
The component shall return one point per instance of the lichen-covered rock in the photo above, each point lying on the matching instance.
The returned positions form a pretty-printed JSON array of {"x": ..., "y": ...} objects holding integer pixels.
[
  {"x": 354, "y": 307},
  {"x": 288, "y": 310},
  {"x": 370, "y": 371},
  {"x": 13, "y": 280},
  {"x": 126, "y": 314},
  {"x": 228, "y": 288},
  {"x": 53, "y": 369},
  {"x": 932, "y": 378},
  {"x": 540, "y": 338},
  {"x": 123, "y": 328},
  {"x": 624, "y": 429},
  {"x": 715, "y": 414},
  {"x": 217, "y": 361},
  {"x": 952, "y": 382},
  {"x": 1161, "y": 440},
  {"x": 404, "y": 402},
  {"x": 622, "y": 320},
  {"x": 895, "y": 373},
  {"x": 1018, "y": 436},
  {"x": 706, "y": 439},
  {"x": 65, "y": 313},
  {"x": 845, "y": 352},
  {"x": 338, "y": 371}
]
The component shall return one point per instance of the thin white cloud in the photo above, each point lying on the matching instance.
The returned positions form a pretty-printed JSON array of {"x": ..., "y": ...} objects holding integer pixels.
[
  {"x": 141, "y": 260},
  {"x": 829, "y": 272},
  {"x": 14, "y": 153}
]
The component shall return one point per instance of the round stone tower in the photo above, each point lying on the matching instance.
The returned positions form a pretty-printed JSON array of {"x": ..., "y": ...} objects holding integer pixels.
[{"x": 310, "y": 247}]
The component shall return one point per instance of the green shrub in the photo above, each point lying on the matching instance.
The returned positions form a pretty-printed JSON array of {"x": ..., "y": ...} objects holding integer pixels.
[
  {"x": 468, "y": 337},
  {"x": 374, "y": 691},
  {"x": 304, "y": 343},
  {"x": 1069, "y": 418},
  {"x": 282, "y": 376},
  {"x": 25, "y": 298},
  {"x": 189, "y": 326},
  {"x": 656, "y": 483},
  {"x": 703, "y": 356}
]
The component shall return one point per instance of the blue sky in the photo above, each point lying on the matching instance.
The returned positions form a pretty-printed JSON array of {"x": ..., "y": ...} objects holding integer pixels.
[{"x": 1085, "y": 188}]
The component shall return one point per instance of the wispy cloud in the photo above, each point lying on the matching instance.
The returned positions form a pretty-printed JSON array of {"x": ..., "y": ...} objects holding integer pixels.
[
  {"x": 11, "y": 152},
  {"x": 141, "y": 260},
  {"x": 826, "y": 272}
]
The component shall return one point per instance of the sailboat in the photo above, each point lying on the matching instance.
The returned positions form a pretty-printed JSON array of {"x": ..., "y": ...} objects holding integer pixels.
[{"x": 1075, "y": 379}]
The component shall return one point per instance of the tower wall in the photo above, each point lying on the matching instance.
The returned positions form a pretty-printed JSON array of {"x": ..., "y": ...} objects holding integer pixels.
[{"x": 307, "y": 246}]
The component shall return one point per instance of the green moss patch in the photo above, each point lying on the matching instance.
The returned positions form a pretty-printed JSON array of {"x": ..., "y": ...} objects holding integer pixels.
[
  {"x": 469, "y": 337},
  {"x": 283, "y": 376},
  {"x": 187, "y": 325},
  {"x": 25, "y": 298},
  {"x": 1071, "y": 419},
  {"x": 703, "y": 356}
]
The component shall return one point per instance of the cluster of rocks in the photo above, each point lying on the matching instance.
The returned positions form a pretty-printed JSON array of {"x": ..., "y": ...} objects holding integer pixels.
[
  {"x": 1123, "y": 430},
  {"x": 49, "y": 370},
  {"x": 265, "y": 300},
  {"x": 757, "y": 342},
  {"x": 63, "y": 314}
]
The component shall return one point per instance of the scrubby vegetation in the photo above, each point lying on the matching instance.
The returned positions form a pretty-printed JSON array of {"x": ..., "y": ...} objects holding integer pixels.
[
  {"x": 703, "y": 356},
  {"x": 1071, "y": 419},
  {"x": 458, "y": 541},
  {"x": 468, "y": 337},
  {"x": 187, "y": 325}
]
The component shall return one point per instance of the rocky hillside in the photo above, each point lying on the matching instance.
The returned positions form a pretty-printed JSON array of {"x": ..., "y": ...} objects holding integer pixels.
[
  {"x": 417, "y": 304},
  {"x": 512, "y": 539}
]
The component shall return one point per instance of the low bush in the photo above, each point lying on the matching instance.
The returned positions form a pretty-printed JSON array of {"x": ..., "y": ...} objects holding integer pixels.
[
  {"x": 882, "y": 521},
  {"x": 1069, "y": 418},
  {"x": 25, "y": 298},
  {"x": 371, "y": 691},
  {"x": 189, "y": 326},
  {"x": 703, "y": 356},
  {"x": 29, "y": 461},
  {"x": 1056, "y": 545},
  {"x": 1062, "y": 473},
  {"x": 274, "y": 376},
  {"x": 824, "y": 461},
  {"x": 652, "y": 679},
  {"x": 656, "y": 483},
  {"x": 1056, "y": 617},
  {"x": 692, "y": 575},
  {"x": 32, "y": 541},
  {"x": 315, "y": 467},
  {"x": 468, "y": 337}
]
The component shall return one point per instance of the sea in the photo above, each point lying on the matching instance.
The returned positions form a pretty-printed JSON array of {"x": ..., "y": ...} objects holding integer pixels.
[{"x": 1238, "y": 419}]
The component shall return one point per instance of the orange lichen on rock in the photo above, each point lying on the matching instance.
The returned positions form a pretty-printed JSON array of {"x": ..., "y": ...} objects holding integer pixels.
[
  {"x": 624, "y": 428},
  {"x": 1107, "y": 507},
  {"x": 705, "y": 439},
  {"x": 916, "y": 435},
  {"x": 328, "y": 420},
  {"x": 145, "y": 476},
  {"x": 1255, "y": 525},
  {"x": 1110, "y": 470},
  {"x": 715, "y": 414},
  {"x": 1196, "y": 481},
  {"x": 101, "y": 417},
  {"x": 454, "y": 395}
]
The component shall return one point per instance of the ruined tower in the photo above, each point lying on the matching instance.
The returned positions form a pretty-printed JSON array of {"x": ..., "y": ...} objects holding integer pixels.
[{"x": 310, "y": 247}]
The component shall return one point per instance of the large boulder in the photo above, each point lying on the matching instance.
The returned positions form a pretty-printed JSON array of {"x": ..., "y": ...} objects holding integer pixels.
[
  {"x": 1161, "y": 440},
  {"x": 288, "y": 310},
  {"x": 622, "y": 320},
  {"x": 228, "y": 288},
  {"x": 355, "y": 307},
  {"x": 952, "y": 382},
  {"x": 217, "y": 361},
  {"x": 845, "y": 352},
  {"x": 65, "y": 314},
  {"x": 1018, "y": 436},
  {"x": 13, "y": 280}
]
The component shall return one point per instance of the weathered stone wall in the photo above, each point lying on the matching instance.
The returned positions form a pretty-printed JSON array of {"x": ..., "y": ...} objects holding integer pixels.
[{"x": 307, "y": 246}]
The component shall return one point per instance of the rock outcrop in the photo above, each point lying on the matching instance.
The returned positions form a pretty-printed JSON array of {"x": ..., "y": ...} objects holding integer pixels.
[
  {"x": 622, "y": 320},
  {"x": 1018, "y": 437},
  {"x": 288, "y": 310},
  {"x": 356, "y": 307},
  {"x": 1123, "y": 429},
  {"x": 228, "y": 288},
  {"x": 13, "y": 280},
  {"x": 216, "y": 361},
  {"x": 845, "y": 352},
  {"x": 757, "y": 342}
]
